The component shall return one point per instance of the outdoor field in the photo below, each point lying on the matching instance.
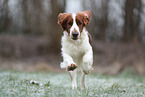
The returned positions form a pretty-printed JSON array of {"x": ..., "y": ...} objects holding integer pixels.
[
  {"x": 38, "y": 36},
  {"x": 17, "y": 84}
]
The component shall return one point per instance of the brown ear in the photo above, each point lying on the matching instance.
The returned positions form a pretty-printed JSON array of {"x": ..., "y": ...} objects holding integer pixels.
[
  {"x": 87, "y": 16},
  {"x": 61, "y": 18}
]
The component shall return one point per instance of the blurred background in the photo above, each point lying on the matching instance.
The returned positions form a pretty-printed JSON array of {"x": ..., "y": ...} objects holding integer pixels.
[{"x": 30, "y": 37}]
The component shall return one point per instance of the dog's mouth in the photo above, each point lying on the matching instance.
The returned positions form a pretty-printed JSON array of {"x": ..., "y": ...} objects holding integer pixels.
[
  {"x": 74, "y": 38},
  {"x": 74, "y": 35}
]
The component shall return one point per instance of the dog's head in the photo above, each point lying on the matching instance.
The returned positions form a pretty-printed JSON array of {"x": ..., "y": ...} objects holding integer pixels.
[{"x": 73, "y": 23}]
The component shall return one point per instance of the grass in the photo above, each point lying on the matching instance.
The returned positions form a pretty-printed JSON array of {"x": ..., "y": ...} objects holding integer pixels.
[{"x": 17, "y": 84}]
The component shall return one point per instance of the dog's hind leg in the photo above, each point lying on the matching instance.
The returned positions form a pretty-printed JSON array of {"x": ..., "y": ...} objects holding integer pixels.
[
  {"x": 73, "y": 75},
  {"x": 83, "y": 80}
]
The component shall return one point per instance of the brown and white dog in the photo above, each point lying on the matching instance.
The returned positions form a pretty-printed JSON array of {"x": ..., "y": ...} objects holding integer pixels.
[{"x": 76, "y": 49}]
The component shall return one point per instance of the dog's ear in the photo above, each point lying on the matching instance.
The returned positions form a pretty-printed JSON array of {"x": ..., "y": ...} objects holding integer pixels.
[
  {"x": 61, "y": 17},
  {"x": 87, "y": 16}
]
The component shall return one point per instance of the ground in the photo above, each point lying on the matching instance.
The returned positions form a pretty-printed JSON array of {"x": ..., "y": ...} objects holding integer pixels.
[{"x": 16, "y": 83}]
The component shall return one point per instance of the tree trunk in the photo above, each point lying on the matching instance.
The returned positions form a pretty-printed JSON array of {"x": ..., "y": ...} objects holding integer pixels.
[
  {"x": 55, "y": 30},
  {"x": 100, "y": 22},
  {"x": 26, "y": 17},
  {"x": 104, "y": 21},
  {"x": 5, "y": 21},
  {"x": 132, "y": 18}
]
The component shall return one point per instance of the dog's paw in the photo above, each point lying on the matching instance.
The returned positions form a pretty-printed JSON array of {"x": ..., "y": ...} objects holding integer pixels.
[
  {"x": 87, "y": 70},
  {"x": 71, "y": 67}
]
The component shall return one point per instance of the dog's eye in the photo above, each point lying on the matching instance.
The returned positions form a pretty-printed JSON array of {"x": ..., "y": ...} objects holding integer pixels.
[
  {"x": 69, "y": 23},
  {"x": 79, "y": 23}
]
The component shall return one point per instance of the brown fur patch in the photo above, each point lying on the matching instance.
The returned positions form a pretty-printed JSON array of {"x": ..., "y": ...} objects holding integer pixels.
[
  {"x": 84, "y": 16},
  {"x": 65, "y": 21},
  {"x": 90, "y": 38},
  {"x": 79, "y": 21}
]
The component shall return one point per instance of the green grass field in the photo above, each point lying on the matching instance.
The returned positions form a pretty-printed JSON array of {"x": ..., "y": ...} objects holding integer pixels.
[{"x": 17, "y": 84}]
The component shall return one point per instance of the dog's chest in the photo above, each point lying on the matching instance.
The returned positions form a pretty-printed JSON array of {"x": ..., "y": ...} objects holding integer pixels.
[{"x": 74, "y": 49}]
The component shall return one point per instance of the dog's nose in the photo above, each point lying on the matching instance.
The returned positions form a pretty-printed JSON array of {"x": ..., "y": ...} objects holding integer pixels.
[{"x": 75, "y": 34}]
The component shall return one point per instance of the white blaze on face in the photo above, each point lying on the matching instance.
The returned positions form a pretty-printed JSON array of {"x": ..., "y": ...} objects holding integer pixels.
[{"x": 74, "y": 26}]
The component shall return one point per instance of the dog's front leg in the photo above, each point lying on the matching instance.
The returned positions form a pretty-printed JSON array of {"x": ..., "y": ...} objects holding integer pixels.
[
  {"x": 86, "y": 67},
  {"x": 83, "y": 80},
  {"x": 73, "y": 75},
  {"x": 87, "y": 62},
  {"x": 68, "y": 63},
  {"x": 70, "y": 66}
]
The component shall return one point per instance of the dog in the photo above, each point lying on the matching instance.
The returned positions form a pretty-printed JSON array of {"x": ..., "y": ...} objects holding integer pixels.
[{"x": 76, "y": 48}]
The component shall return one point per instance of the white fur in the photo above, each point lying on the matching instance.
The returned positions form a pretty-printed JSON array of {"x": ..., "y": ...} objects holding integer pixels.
[
  {"x": 78, "y": 52},
  {"x": 74, "y": 26}
]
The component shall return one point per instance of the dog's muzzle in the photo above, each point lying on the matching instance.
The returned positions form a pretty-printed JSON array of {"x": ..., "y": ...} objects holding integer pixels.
[{"x": 75, "y": 35}]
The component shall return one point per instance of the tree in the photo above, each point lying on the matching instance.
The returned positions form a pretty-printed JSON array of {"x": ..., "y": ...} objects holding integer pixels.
[
  {"x": 99, "y": 20},
  {"x": 5, "y": 19},
  {"x": 132, "y": 19},
  {"x": 55, "y": 30}
]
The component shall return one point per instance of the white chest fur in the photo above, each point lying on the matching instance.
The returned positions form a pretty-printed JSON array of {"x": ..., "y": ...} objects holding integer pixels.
[
  {"x": 73, "y": 51},
  {"x": 76, "y": 47}
]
